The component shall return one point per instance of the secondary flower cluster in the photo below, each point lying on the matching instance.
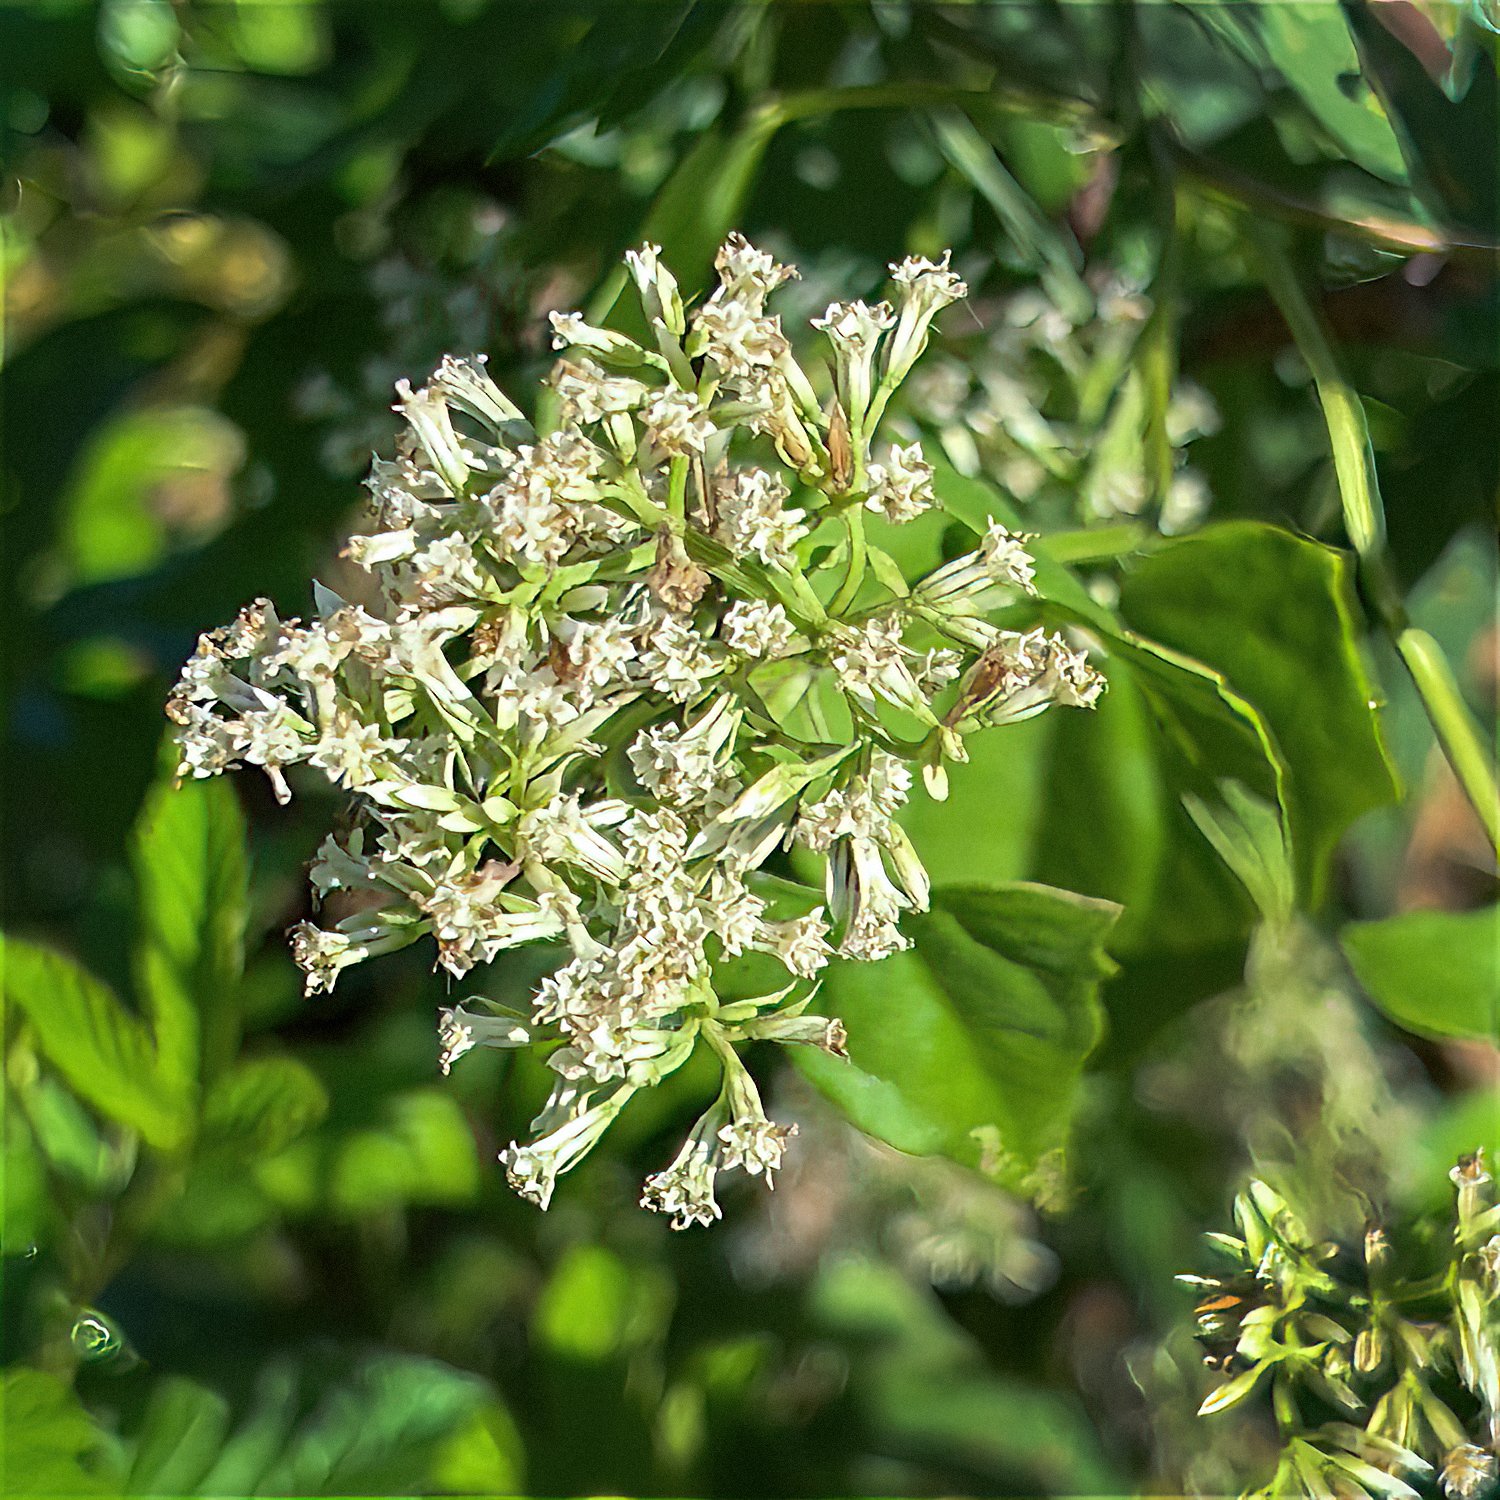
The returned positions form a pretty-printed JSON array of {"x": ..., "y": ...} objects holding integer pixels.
[
  {"x": 607, "y": 670},
  {"x": 1383, "y": 1362},
  {"x": 1054, "y": 402}
]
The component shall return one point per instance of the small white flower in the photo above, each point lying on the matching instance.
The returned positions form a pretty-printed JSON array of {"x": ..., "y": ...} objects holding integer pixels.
[
  {"x": 538, "y": 623},
  {"x": 748, "y": 274},
  {"x": 855, "y": 330},
  {"x": 901, "y": 488},
  {"x": 1021, "y": 675},
  {"x": 350, "y": 750},
  {"x": 589, "y": 393},
  {"x": 684, "y": 766},
  {"x": 427, "y": 412},
  {"x": 565, "y": 832},
  {"x": 744, "y": 344},
  {"x": 674, "y": 659},
  {"x": 570, "y": 330},
  {"x": 734, "y": 912},
  {"x": 757, "y": 1145},
  {"x": 752, "y": 516},
  {"x": 801, "y": 943},
  {"x": 1467, "y": 1471},
  {"x": 1001, "y": 561},
  {"x": 676, "y": 423},
  {"x": 571, "y": 1123},
  {"x": 467, "y": 384},
  {"x": 873, "y": 662},
  {"x": 460, "y": 1030},
  {"x": 658, "y": 288},
  {"x": 685, "y": 1190},
  {"x": 323, "y": 954},
  {"x": 756, "y": 627},
  {"x": 923, "y": 289}
]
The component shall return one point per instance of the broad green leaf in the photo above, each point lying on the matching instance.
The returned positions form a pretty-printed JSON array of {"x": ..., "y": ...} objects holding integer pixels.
[
  {"x": 1434, "y": 972},
  {"x": 1309, "y": 45},
  {"x": 1090, "y": 801},
  {"x": 483, "y": 1455},
  {"x": 103, "y": 1051},
  {"x": 996, "y": 811},
  {"x": 24, "y": 1198},
  {"x": 1203, "y": 730},
  {"x": 970, "y": 1044},
  {"x": 180, "y": 1436},
  {"x": 379, "y": 1432},
  {"x": 114, "y": 524},
  {"x": 70, "y": 1139},
  {"x": 1068, "y": 798},
  {"x": 1272, "y": 613},
  {"x": 1452, "y": 139},
  {"x": 262, "y": 1105},
  {"x": 191, "y": 878},
  {"x": 50, "y": 1444},
  {"x": 418, "y": 1148},
  {"x": 261, "y": 1437}
]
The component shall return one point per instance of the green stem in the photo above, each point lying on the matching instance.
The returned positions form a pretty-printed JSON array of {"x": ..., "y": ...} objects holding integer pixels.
[
  {"x": 1353, "y": 457},
  {"x": 1459, "y": 735},
  {"x": 1097, "y": 543},
  {"x": 1157, "y": 356},
  {"x": 974, "y": 158},
  {"x": 677, "y": 489},
  {"x": 854, "y": 575},
  {"x": 1456, "y": 731},
  {"x": 807, "y": 103}
]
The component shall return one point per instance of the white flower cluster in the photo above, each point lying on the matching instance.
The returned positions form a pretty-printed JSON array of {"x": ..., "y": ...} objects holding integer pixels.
[
  {"x": 586, "y": 698},
  {"x": 1053, "y": 404}
]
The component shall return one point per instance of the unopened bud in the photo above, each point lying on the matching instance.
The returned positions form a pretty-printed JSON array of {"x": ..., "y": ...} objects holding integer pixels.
[
  {"x": 840, "y": 449},
  {"x": 1369, "y": 1350},
  {"x": 676, "y": 579}
]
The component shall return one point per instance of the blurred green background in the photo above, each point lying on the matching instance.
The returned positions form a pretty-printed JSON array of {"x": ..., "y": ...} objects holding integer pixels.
[{"x": 229, "y": 228}]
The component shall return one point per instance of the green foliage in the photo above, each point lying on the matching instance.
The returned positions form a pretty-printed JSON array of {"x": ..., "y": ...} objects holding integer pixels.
[
  {"x": 106, "y": 1054},
  {"x": 1273, "y": 614},
  {"x": 191, "y": 885},
  {"x": 51, "y": 1445},
  {"x": 262, "y": 1105},
  {"x": 254, "y": 1244},
  {"x": 972, "y": 1043},
  {"x": 1436, "y": 973}
]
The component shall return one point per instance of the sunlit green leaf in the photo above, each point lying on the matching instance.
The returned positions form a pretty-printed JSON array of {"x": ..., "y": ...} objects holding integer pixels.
[
  {"x": 970, "y": 1044},
  {"x": 1434, "y": 972},
  {"x": 51, "y": 1446},
  {"x": 105, "y": 1053},
  {"x": 1274, "y": 614},
  {"x": 180, "y": 1436},
  {"x": 191, "y": 877},
  {"x": 262, "y": 1105},
  {"x": 1308, "y": 44},
  {"x": 379, "y": 1432}
]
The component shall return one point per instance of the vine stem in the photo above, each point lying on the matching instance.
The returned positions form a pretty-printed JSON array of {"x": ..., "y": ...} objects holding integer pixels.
[
  {"x": 1458, "y": 733},
  {"x": 854, "y": 576}
]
